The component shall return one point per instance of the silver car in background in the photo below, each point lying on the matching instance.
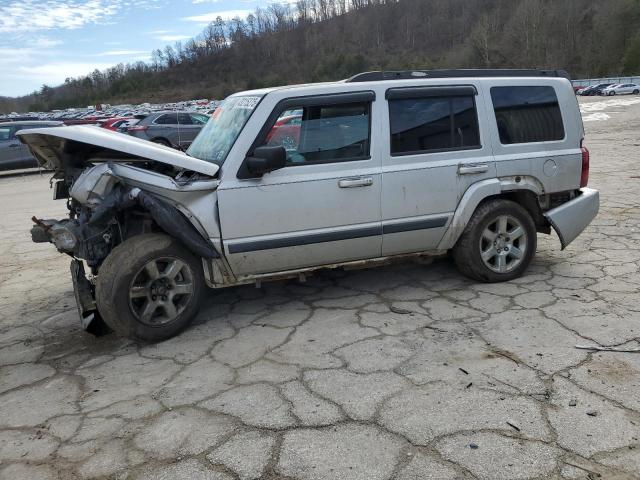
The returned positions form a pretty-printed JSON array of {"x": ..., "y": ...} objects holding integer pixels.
[
  {"x": 172, "y": 129},
  {"x": 622, "y": 89}
]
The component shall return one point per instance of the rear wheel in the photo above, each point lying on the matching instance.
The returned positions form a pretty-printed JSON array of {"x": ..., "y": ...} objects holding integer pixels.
[
  {"x": 149, "y": 287},
  {"x": 498, "y": 243},
  {"x": 636, "y": 92}
]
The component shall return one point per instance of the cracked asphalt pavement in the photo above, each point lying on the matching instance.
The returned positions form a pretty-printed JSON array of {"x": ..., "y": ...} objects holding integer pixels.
[{"x": 408, "y": 371}]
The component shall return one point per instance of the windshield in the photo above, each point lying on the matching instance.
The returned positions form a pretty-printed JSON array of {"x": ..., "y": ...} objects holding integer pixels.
[{"x": 220, "y": 133}]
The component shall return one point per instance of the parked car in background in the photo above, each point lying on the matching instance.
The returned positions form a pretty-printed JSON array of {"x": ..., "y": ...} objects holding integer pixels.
[
  {"x": 594, "y": 89},
  {"x": 173, "y": 129},
  {"x": 129, "y": 122},
  {"x": 622, "y": 89},
  {"x": 13, "y": 153},
  {"x": 286, "y": 131},
  {"x": 113, "y": 123}
]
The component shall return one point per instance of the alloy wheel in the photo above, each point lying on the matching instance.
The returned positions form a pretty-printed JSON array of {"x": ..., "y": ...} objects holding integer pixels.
[
  {"x": 503, "y": 244},
  {"x": 161, "y": 290}
]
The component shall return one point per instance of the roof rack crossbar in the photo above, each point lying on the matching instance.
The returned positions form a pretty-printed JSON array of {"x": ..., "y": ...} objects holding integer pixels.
[{"x": 377, "y": 76}]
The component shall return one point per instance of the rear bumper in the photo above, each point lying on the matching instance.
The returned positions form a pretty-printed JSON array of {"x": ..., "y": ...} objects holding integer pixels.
[{"x": 571, "y": 218}]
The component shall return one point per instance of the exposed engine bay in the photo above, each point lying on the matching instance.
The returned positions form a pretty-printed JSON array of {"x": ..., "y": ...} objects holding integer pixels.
[
  {"x": 104, "y": 211},
  {"x": 114, "y": 191}
]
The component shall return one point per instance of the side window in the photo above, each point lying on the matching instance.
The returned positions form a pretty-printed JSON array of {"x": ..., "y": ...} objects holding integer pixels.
[
  {"x": 199, "y": 119},
  {"x": 527, "y": 114},
  {"x": 323, "y": 133},
  {"x": 433, "y": 124},
  {"x": 5, "y": 134},
  {"x": 184, "y": 119},
  {"x": 167, "y": 119}
]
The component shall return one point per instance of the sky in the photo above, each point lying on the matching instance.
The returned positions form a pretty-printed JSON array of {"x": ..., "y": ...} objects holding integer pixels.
[{"x": 46, "y": 41}]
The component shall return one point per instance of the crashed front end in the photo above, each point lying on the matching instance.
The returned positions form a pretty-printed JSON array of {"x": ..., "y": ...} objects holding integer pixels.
[{"x": 115, "y": 189}]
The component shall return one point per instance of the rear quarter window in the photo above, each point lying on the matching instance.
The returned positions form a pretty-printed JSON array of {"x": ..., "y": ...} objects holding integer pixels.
[{"x": 527, "y": 114}]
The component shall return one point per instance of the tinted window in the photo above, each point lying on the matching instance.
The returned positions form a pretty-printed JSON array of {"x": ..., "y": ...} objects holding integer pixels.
[
  {"x": 430, "y": 124},
  {"x": 5, "y": 133},
  {"x": 324, "y": 133},
  {"x": 527, "y": 114},
  {"x": 184, "y": 119},
  {"x": 167, "y": 119}
]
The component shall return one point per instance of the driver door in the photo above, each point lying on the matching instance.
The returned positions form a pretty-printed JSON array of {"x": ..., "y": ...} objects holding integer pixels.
[{"x": 323, "y": 207}]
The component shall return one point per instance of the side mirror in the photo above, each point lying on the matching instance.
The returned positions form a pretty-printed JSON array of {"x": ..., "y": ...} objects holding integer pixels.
[{"x": 266, "y": 159}]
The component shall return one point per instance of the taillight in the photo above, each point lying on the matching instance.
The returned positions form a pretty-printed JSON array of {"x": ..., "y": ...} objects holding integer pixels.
[
  {"x": 140, "y": 128},
  {"x": 584, "y": 178}
]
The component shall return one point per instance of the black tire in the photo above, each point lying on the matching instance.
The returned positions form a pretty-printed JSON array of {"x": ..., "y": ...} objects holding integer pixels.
[
  {"x": 636, "y": 92},
  {"x": 125, "y": 291},
  {"x": 162, "y": 141},
  {"x": 468, "y": 251}
]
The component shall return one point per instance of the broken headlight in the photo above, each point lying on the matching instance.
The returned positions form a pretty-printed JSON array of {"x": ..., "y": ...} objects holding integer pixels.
[{"x": 63, "y": 237}]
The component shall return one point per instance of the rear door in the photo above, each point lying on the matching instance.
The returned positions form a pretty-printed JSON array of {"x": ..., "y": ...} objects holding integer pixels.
[
  {"x": 435, "y": 151},
  {"x": 187, "y": 129},
  {"x": 324, "y": 206},
  {"x": 166, "y": 127}
]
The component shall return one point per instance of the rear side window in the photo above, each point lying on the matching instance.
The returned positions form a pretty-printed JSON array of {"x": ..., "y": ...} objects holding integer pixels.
[
  {"x": 527, "y": 114},
  {"x": 433, "y": 124},
  {"x": 167, "y": 119},
  {"x": 184, "y": 119}
]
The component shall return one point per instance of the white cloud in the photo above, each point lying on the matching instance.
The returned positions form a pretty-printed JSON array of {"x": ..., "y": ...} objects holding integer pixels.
[
  {"x": 111, "y": 53},
  {"x": 212, "y": 16},
  {"x": 173, "y": 38},
  {"x": 29, "y": 15},
  {"x": 33, "y": 15}
]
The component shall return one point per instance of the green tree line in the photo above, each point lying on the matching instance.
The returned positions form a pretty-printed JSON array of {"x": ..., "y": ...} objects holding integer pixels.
[{"x": 321, "y": 40}]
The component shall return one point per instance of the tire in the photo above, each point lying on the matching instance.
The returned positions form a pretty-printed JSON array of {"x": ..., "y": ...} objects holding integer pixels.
[
  {"x": 611, "y": 94},
  {"x": 636, "y": 92},
  {"x": 145, "y": 303},
  {"x": 161, "y": 141},
  {"x": 481, "y": 234}
]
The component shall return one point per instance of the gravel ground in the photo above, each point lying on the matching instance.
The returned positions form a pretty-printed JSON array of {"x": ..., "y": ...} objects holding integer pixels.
[{"x": 408, "y": 372}]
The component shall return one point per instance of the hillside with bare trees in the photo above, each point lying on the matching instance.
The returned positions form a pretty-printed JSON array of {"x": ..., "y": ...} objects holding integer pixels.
[{"x": 318, "y": 40}]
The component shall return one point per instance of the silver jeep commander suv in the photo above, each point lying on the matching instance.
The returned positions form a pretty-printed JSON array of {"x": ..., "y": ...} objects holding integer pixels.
[{"x": 283, "y": 181}]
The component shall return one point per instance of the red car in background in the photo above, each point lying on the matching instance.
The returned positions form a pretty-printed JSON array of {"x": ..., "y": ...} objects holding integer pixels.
[
  {"x": 286, "y": 132},
  {"x": 113, "y": 123}
]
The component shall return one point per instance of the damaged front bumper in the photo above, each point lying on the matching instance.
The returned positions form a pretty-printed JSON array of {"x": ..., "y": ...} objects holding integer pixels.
[
  {"x": 83, "y": 290},
  {"x": 572, "y": 217}
]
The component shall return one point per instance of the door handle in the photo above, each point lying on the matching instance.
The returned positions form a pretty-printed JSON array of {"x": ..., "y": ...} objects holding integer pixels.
[
  {"x": 355, "y": 182},
  {"x": 471, "y": 169}
]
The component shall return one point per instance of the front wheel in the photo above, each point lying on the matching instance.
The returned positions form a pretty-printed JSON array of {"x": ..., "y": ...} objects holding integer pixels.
[
  {"x": 149, "y": 287},
  {"x": 636, "y": 92},
  {"x": 498, "y": 243}
]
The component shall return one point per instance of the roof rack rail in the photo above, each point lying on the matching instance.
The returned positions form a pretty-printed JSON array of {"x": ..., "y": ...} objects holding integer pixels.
[{"x": 417, "y": 74}]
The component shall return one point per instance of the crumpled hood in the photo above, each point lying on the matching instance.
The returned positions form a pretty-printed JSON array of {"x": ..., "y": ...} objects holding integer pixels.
[{"x": 55, "y": 147}]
